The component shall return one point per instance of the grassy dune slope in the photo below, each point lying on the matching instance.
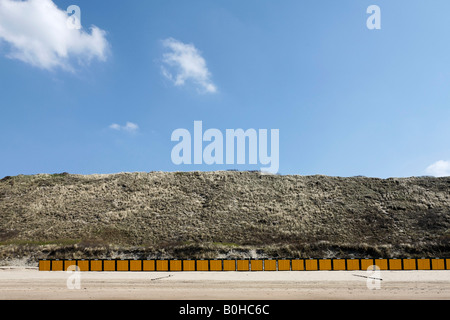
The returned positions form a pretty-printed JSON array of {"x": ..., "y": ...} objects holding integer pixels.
[{"x": 222, "y": 214}]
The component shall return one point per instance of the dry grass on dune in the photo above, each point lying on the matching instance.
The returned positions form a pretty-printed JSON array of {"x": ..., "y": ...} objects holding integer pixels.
[{"x": 222, "y": 214}]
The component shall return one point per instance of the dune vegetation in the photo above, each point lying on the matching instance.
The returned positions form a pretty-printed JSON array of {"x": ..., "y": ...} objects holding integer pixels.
[{"x": 221, "y": 214}]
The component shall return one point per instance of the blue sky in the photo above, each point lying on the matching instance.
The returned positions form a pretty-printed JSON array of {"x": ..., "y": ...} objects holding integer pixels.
[{"x": 347, "y": 100}]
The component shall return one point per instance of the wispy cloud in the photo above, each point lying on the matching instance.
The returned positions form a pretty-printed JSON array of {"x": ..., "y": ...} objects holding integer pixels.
[
  {"x": 440, "y": 168},
  {"x": 128, "y": 127},
  {"x": 185, "y": 63},
  {"x": 38, "y": 33}
]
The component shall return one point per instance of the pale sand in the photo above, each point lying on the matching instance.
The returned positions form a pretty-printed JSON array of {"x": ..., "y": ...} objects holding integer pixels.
[{"x": 29, "y": 283}]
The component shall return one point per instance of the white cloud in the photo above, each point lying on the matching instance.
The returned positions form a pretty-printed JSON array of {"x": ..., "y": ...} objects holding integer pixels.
[
  {"x": 37, "y": 33},
  {"x": 129, "y": 127},
  {"x": 440, "y": 168},
  {"x": 186, "y": 64},
  {"x": 114, "y": 126}
]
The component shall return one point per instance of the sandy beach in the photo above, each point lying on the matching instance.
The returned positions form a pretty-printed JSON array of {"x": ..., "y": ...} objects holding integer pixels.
[{"x": 19, "y": 283}]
